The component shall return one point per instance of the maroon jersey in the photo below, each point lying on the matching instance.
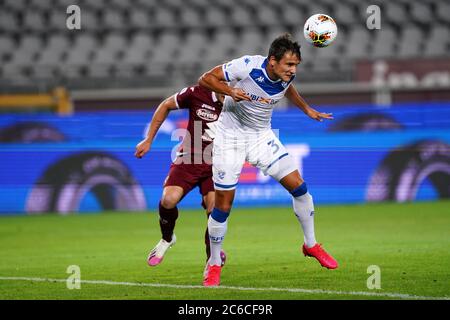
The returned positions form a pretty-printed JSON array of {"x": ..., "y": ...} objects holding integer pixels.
[{"x": 204, "y": 107}]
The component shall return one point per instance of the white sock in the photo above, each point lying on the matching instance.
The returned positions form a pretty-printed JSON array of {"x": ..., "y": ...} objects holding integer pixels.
[
  {"x": 304, "y": 211},
  {"x": 217, "y": 231}
]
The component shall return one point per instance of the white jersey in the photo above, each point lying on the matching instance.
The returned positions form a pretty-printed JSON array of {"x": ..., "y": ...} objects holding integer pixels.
[{"x": 249, "y": 74}]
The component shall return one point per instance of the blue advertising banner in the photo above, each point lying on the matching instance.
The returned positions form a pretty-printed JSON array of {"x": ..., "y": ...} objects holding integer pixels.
[{"x": 85, "y": 163}]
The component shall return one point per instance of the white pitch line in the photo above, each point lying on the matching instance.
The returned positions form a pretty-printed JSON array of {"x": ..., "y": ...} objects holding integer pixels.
[{"x": 176, "y": 286}]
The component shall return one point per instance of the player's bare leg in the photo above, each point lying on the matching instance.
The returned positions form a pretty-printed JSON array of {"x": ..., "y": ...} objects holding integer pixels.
[
  {"x": 209, "y": 200},
  {"x": 224, "y": 199},
  {"x": 217, "y": 226},
  {"x": 304, "y": 211},
  {"x": 168, "y": 214},
  {"x": 292, "y": 181}
]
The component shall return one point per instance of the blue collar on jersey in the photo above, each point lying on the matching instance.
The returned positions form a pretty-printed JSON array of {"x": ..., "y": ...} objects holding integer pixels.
[
  {"x": 263, "y": 67},
  {"x": 260, "y": 77}
]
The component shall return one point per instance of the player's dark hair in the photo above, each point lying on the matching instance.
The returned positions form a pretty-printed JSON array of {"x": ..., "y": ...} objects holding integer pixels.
[{"x": 283, "y": 44}]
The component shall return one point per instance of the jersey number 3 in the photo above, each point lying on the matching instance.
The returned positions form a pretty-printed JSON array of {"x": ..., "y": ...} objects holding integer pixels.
[{"x": 274, "y": 146}]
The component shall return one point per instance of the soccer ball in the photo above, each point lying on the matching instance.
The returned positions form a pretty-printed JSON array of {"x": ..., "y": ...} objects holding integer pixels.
[{"x": 320, "y": 30}]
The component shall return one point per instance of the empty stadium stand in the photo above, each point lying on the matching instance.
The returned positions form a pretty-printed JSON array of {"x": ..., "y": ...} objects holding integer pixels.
[{"x": 156, "y": 43}]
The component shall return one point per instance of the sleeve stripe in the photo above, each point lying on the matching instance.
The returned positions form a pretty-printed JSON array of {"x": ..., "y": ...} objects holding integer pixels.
[
  {"x": 176, "y": 101},
  {"x": 225, "y": 73}
]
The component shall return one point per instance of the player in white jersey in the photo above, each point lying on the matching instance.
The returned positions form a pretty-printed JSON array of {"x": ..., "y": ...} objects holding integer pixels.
[{"x": 243, "y": 133}]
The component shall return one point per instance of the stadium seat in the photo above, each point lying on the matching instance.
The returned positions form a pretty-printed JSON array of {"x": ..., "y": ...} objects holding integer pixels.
[
  {"x": 395, "y": 12},
  {"x": 7, "y": 45},
  {"x": 120, "y": 4},
  {"x": 168, "y": 41},
  {"x": 203, "y": 4},
  {"x": 95, "y": 4},
  {"x": 135, "y": 57},
  {"x": 113, "y": 19},
  {"x": 145, "y": 4},
  {"x": 50, "y": 56},
  {"x": 57, "y": 20},
  {"x": 334, "y": 51},
  {"x": 251, "y": 40},
  {"x": 115, "y": 41},
  {"x": 215, "y": 17},
  {"x": 384, "y": 44},
  {"x": 315, "y": 7},
  {"x": 77, "y": 61},
  {"x": 102, "y": 63},
  {"x": 358, "y": 47},
  {"x": 34, "y": 21},
  {"x": 164, "y": 17},
  {"x": 277, "y": 31},
  {"x": 242, "y": 17},
  {"x": 17, "y": 6},
  {"x": 267, "y": 16},
  {"x": 20, "y": 63},
  {"x": 421, "y": 12},
  {"x": 436, "y": 44},
  {"x": 57, "y": 42},
  {"x": 308, "y": 54},
  {"x": 90, "y": 21},
  {"x": 22, "y": 58},
  {"x": 149, "y": 38},
  {"x": 9, "y": 21},
  {"x": 224, "y": 37},
  {"x": 219, "y": 49},
  {"x": 42, "y": 5},
  {"x": 142, "y": 40},
  {"x": 166, "y": 51},
  {"x": 344, "y": 14},
  {"x": 133, "y": 60},
  {"x": 291, "y": 15},
  {"x": 140, "y": 19},
  {"x": 193, "y": 48},
  {"x": 84, "y": 42},
  {"x": 190, "y": 18},
  {"x": 442, "y": 10},
  {"x": 30, "y": 43},
  {"x": 411, "y": 42}
]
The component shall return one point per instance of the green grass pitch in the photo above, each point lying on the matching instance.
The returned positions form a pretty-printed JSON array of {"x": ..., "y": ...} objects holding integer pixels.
[{"x": 408, "y": 242}]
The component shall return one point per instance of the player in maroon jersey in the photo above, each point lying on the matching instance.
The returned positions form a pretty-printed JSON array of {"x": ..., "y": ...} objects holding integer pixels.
[{"x": 191, "y": 168}]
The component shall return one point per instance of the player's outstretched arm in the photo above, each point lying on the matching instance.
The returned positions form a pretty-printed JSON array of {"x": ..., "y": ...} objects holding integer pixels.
[
  {"x": 159, "y": 116},
  {"x": 293, "y": 96},
  {"x": 215, "y": 80}
]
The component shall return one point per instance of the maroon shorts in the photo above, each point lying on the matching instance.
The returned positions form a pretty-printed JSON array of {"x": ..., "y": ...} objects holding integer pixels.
[{"x": 188, "y": 176}]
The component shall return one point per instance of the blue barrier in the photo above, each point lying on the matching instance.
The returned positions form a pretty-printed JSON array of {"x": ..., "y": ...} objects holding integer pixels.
[
  {"x": 131, "y": 124},
  {"x": 340, "y": 167}
]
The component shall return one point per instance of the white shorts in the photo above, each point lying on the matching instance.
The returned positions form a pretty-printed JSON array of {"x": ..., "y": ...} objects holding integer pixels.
[{"x": 262, "y": 150}]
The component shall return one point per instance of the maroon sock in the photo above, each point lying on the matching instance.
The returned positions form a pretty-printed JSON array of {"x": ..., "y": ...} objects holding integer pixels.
[
  {"x": 207, "y": 246},
  {"x": 167, "y": 219}
]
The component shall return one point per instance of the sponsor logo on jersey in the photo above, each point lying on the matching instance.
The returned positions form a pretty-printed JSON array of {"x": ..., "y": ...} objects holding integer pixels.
[
  {"x": 260, "y": 79},
  {"x": 208, "y": 107},
  {"x": 206, "y": 115},
  {"x": 247, "y": 60},
  {"x": 256, "y": 98}
]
